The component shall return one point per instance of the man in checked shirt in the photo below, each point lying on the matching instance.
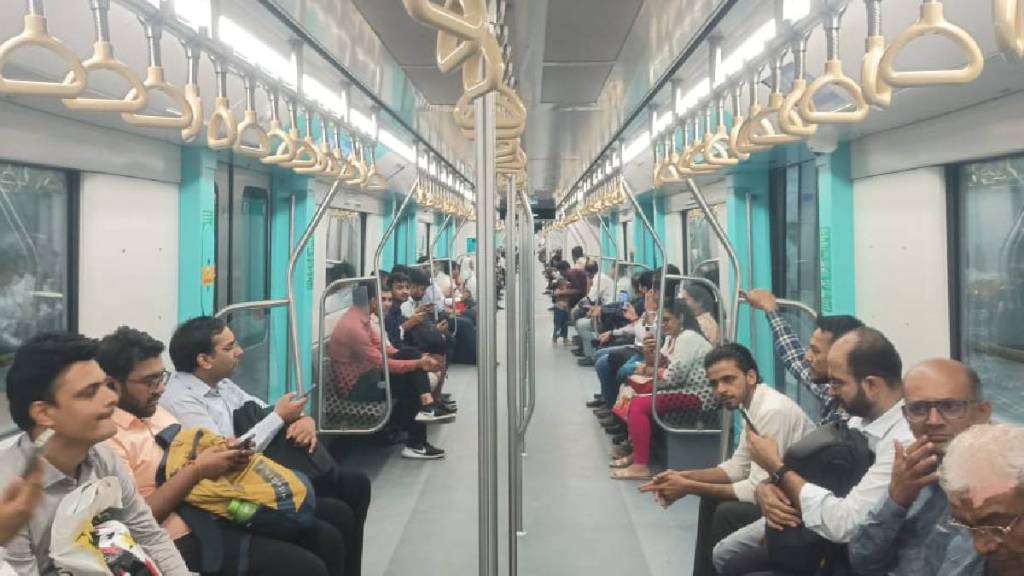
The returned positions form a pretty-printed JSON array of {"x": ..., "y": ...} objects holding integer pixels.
[{"x": 809, "y": 366}]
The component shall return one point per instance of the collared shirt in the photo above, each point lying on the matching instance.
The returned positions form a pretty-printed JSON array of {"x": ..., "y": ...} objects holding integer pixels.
[
  {"x": 836, "y": 519},
  {"x": 135, "y": 442},
  {"x": 354, "y": 349},
  {"x": 775, "y": 414},
  {"x": 602, "y": 289},
  {"x": 196, "y": 404},
  {"x": 789, "y": 348},
  {"x": 914, "y": 541},
  {"x": 29, "y": 551}
]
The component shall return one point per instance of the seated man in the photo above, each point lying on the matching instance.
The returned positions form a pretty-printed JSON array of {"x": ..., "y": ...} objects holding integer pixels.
[
  {"x": 728, "y": 491},
  {"x": 200, "y": 394},
  {"x": 17, "y": 505},
  {"x": 865, "y": 371},
  {"x": 355, "y": 351},
  {"x": 602, "y": 292},
  {"x": 982, "y": 476},
  {"x": 810, "y": 367},
  {"x": 55, "y": 383},
  {"x": 132, "y": 359},
  {"x": 905, "y": 531},
  {"x": 461, "y": 333}
]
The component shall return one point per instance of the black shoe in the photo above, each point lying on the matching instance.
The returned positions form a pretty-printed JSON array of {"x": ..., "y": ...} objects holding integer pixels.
[
  {"x": 425, "y": 452},
  {"x": 451, "y": 407},
  {"x": 596, "y": 403},
  {"x": 586, "y": 362},
  {"x": 446, "y": 397},
  {"x": 445, "y": 410},
  {"x": 577, "y": 352},
  {"x": 598, "y": 396},
  {"x": 609, "y": 421},
  {"x": 602, "y": 412},
  {"x": 434, "y": 413},
  {"x": 615, "y": 429},
  {"x": 620, "y": 438}
]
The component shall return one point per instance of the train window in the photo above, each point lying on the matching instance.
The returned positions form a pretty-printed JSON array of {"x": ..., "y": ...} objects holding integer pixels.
[
  {"x": 344, "y": 254},
  {"x": 422, "y": 239},
  {"x": 990, "y": 243},
  {"x": 796, "y": 272},
  {"x": 36, "y": 265},
  {"x": 701, "y": 245}
]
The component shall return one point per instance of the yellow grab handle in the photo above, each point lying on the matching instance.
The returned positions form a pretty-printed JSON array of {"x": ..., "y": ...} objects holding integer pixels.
[
  {"x": 195, "y": 102},
  {"x": 790, "y": 120},
  {"x": 283, "y": 152},
  {"x": 345, "y": 168},
  {"x": 316, "y": 165},
  {"x": 373, "y": 180},
  {"x": 510, "y": 112},
  {"x": 103, "y": 59},
  {"x": 875, "y": 90},
  {"x": 1008, "y": 20},
  {"x": 155, "y": 83},
  {"x": 222, "y": 119},
  {"x": 358, "y": 171},
  {"x": 305, "y": 152},
  {"x": 743, "y": 142},
  {"x": 734, "y": 134},
  {"x": 36, "y": 35},
  {"x": 932, "y": 21},
  {"x": 716, "y": 148},
  {"x": 442, "y": 18},
  {"x": 762, "y": 131},
  {"x": 251, "y": 124},
  {"x": 453, "y": 50},
  {"x": 834, "y": 76},
  {"x": 689, "y": 160}
]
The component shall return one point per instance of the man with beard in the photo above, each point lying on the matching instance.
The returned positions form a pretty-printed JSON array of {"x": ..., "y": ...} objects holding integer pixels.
[
  {"x": 905, "y": 533},
  {"x": 810, "y": 366},
  {"x": 866, "y": 376},
  {"x": 132, "y": 359}
]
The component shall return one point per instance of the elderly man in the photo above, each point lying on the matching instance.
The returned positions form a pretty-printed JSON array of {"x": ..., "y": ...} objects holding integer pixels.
[
  {"x": 905, "y": 533},
  {"x": 981, "y": 475}
]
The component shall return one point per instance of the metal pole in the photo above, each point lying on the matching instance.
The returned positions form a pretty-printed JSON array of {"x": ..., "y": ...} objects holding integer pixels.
[
  {"x": 528, "y": 342},
  {"x": 487, "y": 456},
  {"x": 512, "y": 322},
  {"x": 750, "y": 270}
]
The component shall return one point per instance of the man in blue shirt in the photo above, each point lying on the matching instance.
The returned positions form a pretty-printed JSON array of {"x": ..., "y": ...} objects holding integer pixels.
[{"x": 907, "y": 532}]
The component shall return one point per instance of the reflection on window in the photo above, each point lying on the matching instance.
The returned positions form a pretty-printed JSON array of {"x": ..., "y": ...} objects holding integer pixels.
[
  {"x": 422, "y": 239},
  {"x": 991, "y": 232},
  {"x": 33, "y": 259},
  {"x": 344, "y": 255},
  {"x": 702, "y": 248}
]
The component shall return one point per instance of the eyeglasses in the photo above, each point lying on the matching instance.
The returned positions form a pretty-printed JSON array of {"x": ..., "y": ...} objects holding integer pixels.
[
  {"x": 949, "y": 409},
  {"x": 997, "y": 533},
  {"x": 155, "y": 380}
]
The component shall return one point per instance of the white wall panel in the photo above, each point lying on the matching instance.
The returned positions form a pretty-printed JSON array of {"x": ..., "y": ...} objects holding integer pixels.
[
  {"x": 901, "y": 260},
  {"x": 128, "y": 272},
  {"x": 674, "y": 238},
  {"x": 374, "y": 230}
]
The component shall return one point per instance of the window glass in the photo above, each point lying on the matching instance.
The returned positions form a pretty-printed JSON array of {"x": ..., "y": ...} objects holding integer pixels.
[
  {"x": 34, "y": 268},
  {"x": 344, "y": 255},
  {"x": 422, "y": 239},
  {"x": 991, "y": 222},
  {"x": 702, "y": 248}
]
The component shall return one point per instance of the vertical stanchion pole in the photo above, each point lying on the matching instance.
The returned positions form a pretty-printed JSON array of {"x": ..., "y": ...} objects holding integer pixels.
[
  {"x": 487, "y": 458},
  {"x": 750, "y": 272},
  {"x": 512, "y": 366}
]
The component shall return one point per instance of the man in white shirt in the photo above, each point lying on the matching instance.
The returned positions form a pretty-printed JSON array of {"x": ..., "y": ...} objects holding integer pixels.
[
  {"x": 728, "y": 490},
  {"x": 602, "y": 292},
  {"x": 865, "y": 372}
]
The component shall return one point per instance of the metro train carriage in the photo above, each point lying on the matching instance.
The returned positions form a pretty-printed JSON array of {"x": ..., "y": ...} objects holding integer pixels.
[{"x": 458, "y": 230}]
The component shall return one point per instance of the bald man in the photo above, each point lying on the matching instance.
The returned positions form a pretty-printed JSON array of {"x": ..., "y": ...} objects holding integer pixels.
[{"x": 907, "y": 532}]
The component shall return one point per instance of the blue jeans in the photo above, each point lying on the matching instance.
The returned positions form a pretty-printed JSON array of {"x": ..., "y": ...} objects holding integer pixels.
[
  {"x": 608, "y": 371},
  {"x": 562, "y": 318},
  {"x": 585, "y": 328}
]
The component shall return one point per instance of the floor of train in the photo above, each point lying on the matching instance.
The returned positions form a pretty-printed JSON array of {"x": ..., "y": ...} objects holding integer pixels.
[{"x": 423, "y": 519}]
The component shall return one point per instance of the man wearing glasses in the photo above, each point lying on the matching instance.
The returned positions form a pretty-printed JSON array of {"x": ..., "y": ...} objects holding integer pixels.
[
  {"x": 981, "y": 474},
  {"x": 907, "y": 531}
]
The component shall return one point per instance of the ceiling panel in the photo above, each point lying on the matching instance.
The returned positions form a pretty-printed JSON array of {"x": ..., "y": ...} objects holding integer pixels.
[
  {"x": 401, "y": 35},
  {"x": 438, "y": 89},
  {"x": 573, "y": 83},
  {"x": 588, "y": 30}
]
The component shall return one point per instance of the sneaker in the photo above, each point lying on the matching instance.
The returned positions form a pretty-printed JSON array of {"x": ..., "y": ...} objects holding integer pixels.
[
  {"x": 450, "y": 406},
  {"x": 434, "y": 413},
  {"x": 425, "y": 452},
  {"x": 596, "y": 403},
  {"x": 446, "y": 409},
  {"x": 446, "y": 396}
]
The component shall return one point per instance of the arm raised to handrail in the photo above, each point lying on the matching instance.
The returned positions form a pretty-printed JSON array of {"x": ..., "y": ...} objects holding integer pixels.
[
  {"x": 103, "y": 59},
  {"x": 1008, "y": 20},
  {"x": 833, "y": 76},
  {"x": 222, "y": 129},
  {"x": 875, "y": 90},
  {"x": 932, "y": 21},
  {"x": 155, "y": 82},
  {"x": 36, "y": 35},
  {"x": 250, "y": 123}
]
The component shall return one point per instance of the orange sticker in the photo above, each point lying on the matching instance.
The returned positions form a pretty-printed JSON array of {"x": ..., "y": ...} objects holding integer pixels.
[{"x": 209, "y": 275}]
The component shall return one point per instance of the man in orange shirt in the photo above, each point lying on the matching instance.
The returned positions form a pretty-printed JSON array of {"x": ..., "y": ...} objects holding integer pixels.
[{"x": 133, "y": 360}]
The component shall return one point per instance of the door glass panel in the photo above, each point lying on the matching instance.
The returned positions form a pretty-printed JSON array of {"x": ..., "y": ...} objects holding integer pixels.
[
  {"x": 991, "y": 222},
  {"x": 33, "y": 260}
]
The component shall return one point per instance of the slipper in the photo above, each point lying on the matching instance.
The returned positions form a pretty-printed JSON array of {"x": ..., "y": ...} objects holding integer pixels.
[
  {"x": 621, "y": 462},
  {"x": 625, "y": 474}
]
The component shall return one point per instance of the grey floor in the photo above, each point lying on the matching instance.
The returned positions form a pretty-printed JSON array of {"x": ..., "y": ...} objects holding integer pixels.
[{"x": 423, "y": 519}]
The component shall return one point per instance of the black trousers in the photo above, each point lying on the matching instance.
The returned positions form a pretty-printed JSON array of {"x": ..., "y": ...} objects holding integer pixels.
[
  {"x": 343, "y": 500},
  {"x": 319, "y": 551},
  {"x": 717, "y": 520},
  {"x": 406, "y": 389}
]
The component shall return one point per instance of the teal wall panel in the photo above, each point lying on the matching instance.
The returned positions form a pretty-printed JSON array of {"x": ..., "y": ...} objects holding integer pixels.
[
  {"x": 835, "y": 221},
  {"x": 197, "y": 238},
  {"x": 646, "y": 251}
]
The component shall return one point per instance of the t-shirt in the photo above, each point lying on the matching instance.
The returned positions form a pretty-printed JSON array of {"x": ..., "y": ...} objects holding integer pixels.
[{"x": 577, "y": 280}]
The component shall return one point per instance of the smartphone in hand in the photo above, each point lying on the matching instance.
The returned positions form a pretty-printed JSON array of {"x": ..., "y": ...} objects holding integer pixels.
[{"x": 750, "y": 422}]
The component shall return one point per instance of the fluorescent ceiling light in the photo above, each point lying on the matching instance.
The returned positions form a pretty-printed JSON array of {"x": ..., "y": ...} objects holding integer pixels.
[
  {"x": 362, "y": 122},
  {"x": 254, "y": 51},
  {"x": 691, "y": 98},
  {"x": 332, "y": 100},
  {"x": 195, "y": 13},
  {"x": 636, "y": 147},
  {"x": 796, "y": 10},
  {"x": 661, "y": 122},
  {"x": 396, "y": 145},
  {"x": 749, "y": 50}
]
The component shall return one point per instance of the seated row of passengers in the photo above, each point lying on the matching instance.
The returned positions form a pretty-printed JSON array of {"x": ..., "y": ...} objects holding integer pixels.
[{"x": 938, "y": 490}]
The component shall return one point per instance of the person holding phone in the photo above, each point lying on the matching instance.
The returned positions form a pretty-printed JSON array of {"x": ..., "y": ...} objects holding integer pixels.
[{"x": 17, "y": 503}]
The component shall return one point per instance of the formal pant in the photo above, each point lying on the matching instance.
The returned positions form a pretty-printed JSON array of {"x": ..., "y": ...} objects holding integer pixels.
[
  {"x": 746, "y": 539},
  {"x": 716, "y": 521},
  {"x": 350, "y": 489},
  {"x": 406, "y": 389},
  {"x": 585, "y": 328}
]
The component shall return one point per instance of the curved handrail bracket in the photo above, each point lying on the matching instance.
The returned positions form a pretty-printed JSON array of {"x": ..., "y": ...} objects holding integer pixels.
[
  {"x": 103, "y": 59},
  {"x": 834, "y": 76},
  {"x": 195, "y": 102},
  {"x": 762, "y": 130},
  {"x": 1008, "y": 20},
  {"x": 155, "y": 82},
  {"x": 305, "y": 152},
  {"x": 790, "y": 120},
  {"x": 932, "y": 21},
  {"x": 875, "y": 90},
  {"x": 285, "y": 150},
  {"x": 251, "y": 124},
  {"x": 443, "y": 18},
  {"x": 509, "y": 110},
  {"x": 221, "y": 120},
  {"x": 452, "y": 49},
  {"x": 35, "y": 34}
]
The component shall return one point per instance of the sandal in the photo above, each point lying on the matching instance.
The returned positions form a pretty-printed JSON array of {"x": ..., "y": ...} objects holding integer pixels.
[{"x": 621, "y": 462}]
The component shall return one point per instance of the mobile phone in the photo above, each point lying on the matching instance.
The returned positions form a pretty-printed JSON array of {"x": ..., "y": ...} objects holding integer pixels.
[
  {"x": 623, "y": 298},
  {"x": 38, "y": 446},
  {"x": 750, "y": 422},
  {"x": 245, "y": 441},
  {"x": 309, "y": 391}
]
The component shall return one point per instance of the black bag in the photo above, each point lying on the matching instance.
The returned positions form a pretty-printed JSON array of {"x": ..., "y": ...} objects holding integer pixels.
[
  {"x": 280, "y": 449},
  {"x": 834, "y": 457}
]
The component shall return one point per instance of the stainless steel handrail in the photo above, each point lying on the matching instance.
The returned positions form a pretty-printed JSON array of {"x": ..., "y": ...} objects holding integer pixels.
[
  {"x": 430, "y": 260},
  {"x": 615, "y": 246},
  {"x": 734, "y": 260},
  {"x": 293, "y": 261},
  {"x": 787, "y": 303},
  {"x": 512, "y": 357},
  {"x": 328, "y": 290},
  {"x": 254, "y": 305},
  {"x": 528, "y": 281}
]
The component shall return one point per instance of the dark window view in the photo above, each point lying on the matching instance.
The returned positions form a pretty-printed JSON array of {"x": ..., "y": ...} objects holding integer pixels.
[
  {"x": 991, "y": 235},
  {"x": 34, "y": 270}
]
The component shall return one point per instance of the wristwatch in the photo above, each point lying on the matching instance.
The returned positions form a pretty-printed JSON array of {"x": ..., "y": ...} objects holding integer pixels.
[{"x": 778, "y": 475}]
